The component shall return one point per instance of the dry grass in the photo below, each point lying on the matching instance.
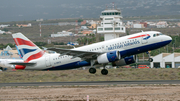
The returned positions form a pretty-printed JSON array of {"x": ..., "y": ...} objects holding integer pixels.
[{"x": 84, "y": 75}]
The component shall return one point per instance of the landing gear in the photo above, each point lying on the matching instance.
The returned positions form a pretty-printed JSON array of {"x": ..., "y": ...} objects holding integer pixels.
[
  {"x": 150, "y": 59},
  {"x": 104, "y": 71},
  {"x": 92, "y": 70},
  {"x": 1, "y": 68}
]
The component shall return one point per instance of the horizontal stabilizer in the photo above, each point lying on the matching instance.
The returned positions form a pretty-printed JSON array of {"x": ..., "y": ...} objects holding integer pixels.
[{"x": 22, "y": 63}]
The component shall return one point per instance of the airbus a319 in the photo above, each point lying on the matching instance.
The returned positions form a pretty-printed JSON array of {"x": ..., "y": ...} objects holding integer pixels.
[{"x": 119, "y": 51}]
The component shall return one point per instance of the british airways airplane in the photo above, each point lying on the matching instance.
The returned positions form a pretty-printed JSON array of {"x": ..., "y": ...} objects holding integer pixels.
[
  {"x": 5, "y": 63},
  {"x": 119, "y": 51}
]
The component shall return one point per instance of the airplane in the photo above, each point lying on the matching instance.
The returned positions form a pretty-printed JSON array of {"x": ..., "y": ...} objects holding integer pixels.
[
  {"x": 5, "y": 63},
  {"x": 119, "y": 51}
]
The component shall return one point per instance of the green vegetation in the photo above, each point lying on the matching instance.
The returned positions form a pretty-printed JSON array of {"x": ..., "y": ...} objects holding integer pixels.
[
  {"x": 5, "y": 45},
  {"x": 91, "y": 38},
  {"x": 84, "y": 75}
]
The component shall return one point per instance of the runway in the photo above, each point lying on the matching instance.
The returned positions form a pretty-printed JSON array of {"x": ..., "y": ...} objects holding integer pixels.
[{"x": 92, "y": 83}]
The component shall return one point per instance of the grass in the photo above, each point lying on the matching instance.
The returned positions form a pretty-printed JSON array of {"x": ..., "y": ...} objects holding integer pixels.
[{"x": 84, "y": 75}]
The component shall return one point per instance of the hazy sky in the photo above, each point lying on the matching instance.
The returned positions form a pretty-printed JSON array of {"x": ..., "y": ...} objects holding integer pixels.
[
  {"x": 20, "y": 10},
  {"x": 13, "y": 10}
]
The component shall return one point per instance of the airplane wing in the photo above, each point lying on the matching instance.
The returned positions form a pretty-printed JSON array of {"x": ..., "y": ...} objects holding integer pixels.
[
  {"x": 22, "y": 63},
  {"x": 76, "y": 53}
]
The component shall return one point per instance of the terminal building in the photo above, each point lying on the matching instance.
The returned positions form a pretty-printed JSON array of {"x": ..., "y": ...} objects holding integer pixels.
[
  {"x": 166, "y": 60},
  {"x": 111, "y": 24},
  {"x": 8, "y": 52}
]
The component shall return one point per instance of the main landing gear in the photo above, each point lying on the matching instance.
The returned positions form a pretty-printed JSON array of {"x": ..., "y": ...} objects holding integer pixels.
[
  {"x": 104, "y": 71},
  {"x": 92, "y": 70},
  {"x": 150, "y": 59}
]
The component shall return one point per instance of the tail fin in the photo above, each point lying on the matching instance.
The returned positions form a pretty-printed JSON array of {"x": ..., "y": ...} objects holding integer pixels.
[{"x": 28, "y": 50}]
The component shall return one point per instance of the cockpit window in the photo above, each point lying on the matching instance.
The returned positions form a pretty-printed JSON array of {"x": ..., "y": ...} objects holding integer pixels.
[{"x": 157, "y": 34}]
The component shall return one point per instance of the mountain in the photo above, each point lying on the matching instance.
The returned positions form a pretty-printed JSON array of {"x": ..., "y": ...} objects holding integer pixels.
[{"x": 19, "y": 10}]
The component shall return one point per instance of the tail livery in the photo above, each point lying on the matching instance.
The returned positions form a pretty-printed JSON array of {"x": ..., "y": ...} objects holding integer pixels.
[{"x": 28, "y": 50}]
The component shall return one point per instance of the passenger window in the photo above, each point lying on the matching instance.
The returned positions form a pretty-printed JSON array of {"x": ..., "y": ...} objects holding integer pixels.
[{"x": 154, "y": 35}]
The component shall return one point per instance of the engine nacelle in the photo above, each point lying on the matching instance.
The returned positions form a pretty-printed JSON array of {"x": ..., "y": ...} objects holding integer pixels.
[
  {"x": 20, "y": 67},
  {"x": 109, "y": 57},
  {"x": 124, "y": 61}
]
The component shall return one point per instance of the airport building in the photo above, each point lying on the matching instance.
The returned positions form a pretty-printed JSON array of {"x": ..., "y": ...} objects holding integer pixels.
[
  {"x": 166, "y": 60},
  {"x": 111, "y": 24},
  {"x": 8, "y": 52},
  {"x": 62, "y": 34}
]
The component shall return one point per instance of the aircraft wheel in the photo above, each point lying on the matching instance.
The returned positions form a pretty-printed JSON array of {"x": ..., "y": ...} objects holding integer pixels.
[
  {"x": 1, "y": 68},
  {"x": 150, "y": 60},
  {"x": 92, "y": 70},
  {"x": 104, "y": 71}
]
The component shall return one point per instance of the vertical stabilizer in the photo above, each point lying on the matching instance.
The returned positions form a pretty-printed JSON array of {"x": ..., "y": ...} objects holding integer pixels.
[{"x": 28, "y": 50}]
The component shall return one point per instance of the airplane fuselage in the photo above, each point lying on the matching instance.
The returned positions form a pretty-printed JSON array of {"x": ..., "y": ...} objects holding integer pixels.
[{"x": 126, "y": 46}]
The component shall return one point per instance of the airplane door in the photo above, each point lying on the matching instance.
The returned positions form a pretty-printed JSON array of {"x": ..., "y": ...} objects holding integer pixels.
[
  {"x": 144, "y": 40},
  {"x": 103, "y": 48},
  {"x": 47, "y": 61}
]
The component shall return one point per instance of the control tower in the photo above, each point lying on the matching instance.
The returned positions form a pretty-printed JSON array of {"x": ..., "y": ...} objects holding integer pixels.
[{"x": 111, "y": 24}]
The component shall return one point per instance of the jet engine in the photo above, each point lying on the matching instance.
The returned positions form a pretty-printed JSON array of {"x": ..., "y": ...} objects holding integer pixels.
[
  {"x": 125, "y": 61},
  {"x": 109, "y": 57}
]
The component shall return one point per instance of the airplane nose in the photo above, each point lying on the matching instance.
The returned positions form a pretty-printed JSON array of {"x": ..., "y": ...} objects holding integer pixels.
[{"x": 168, "y": 39}]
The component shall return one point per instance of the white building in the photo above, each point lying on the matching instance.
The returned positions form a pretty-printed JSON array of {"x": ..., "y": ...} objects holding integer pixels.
[
  {"x": 151, "y": 25},
  {"x": 111, "y": 24},
  {"x": 3, "y": 26},
  {"x": 166, "y": 60},
  {"x": 138, "y": 26},
  {"x": 39, "y": 20},
  {"x": 162, "y": 24},
  {"x": 62, "y": 34},
  {"x": 1, "y": 32},
  {"x": 129, "y": 24},
  {"x": 84, "y": 27}
]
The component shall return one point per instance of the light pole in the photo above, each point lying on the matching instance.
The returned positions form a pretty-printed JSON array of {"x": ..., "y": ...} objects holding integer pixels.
[
  {"x": 175, "y": 42},
  {"x": 173, "y": 47}
]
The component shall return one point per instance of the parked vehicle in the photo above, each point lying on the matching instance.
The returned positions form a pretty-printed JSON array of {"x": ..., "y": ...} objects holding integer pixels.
[{"x": 143, "y": 66}]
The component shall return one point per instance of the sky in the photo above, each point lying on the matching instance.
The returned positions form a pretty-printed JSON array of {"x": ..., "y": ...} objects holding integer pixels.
[{"x": 21, "y": 10}]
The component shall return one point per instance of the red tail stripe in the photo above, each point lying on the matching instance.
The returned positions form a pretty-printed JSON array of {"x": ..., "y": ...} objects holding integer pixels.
[
  {"x": 20, "y": 41},
  {"x": 35, "y": 56},
  {"x": 139, "y": 36}
]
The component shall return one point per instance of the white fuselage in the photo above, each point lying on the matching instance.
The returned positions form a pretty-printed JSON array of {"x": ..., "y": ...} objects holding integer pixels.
[{"x": 127, "y": 45}]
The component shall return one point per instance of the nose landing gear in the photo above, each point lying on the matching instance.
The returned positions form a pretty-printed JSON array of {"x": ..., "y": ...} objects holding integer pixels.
[{"x": 150, "y": 59}]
